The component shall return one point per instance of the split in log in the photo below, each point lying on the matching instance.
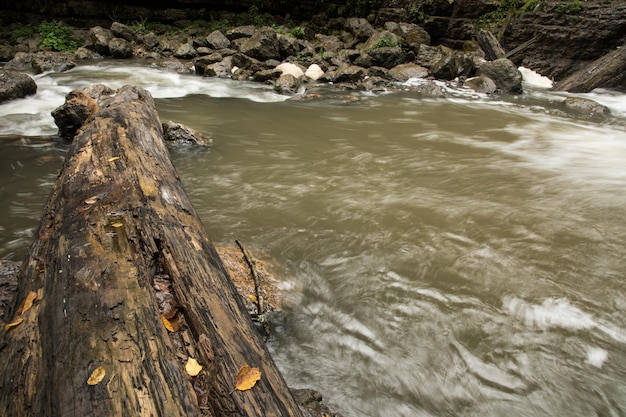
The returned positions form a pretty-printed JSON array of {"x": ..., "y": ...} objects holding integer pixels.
[{"x": 122, "y": 287}]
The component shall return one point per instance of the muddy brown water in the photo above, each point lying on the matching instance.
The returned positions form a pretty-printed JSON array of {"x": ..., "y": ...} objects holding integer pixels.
[{"x": 461, "y": 256}]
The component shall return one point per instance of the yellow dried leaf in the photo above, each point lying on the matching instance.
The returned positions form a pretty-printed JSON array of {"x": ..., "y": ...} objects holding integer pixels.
[
  {"x": 252, "y": 298},
  {"x": 115, "y": 158},
  {"x": 247, "y": 378},
  {"x": 27, "y": 303},
  {"x": 13, "y": 324},
  {"x": 192, "y": 367},
  {"x": 117, "y": 224},
  {"x": 96, "y": 376},
  {"x": 171, "y": 325},
  {"x": 91, "y": 200}
]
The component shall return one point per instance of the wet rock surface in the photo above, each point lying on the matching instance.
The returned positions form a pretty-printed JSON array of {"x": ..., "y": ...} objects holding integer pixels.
[{"x": 14, "y": 85}]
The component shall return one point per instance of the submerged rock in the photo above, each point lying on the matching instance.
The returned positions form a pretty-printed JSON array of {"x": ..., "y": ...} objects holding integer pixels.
[
  {"x": 586, "y": 107},
  {"x": 481, "y": 84},
  {"x": 181, "y": 134},
  {"x": 15, "y": 84}
]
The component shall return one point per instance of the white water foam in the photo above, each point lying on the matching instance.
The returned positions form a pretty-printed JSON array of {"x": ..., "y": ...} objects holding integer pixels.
[
  {"x": 553, "y": 312},
  {"x": 531, "y": 78},
  {"x": 30, "y": 116}
]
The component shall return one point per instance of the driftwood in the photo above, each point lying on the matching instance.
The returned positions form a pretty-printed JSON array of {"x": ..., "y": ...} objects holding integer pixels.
[{"x": 120, "y": 260}]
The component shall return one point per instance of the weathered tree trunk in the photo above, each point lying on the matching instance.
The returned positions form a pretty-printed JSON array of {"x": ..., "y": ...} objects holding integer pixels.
[
  {"x": 608, "y": 71},
  {"x": 118, "y": 241}
]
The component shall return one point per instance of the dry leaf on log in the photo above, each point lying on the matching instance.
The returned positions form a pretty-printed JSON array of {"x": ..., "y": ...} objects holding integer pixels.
[
  {"x": 247, "y": 378},
  {"x": 96, "y": 376},
  {"x": 192, "y": 367},
  {"x": 27, "y": 303},
  {"x": 13, "y": 324}
]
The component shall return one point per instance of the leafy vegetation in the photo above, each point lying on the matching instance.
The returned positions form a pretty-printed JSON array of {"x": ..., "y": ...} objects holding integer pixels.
[
  {"x": 387, "y": 41},
  {"x": 57, "y": 36},
  {"x": 25, "y": 31}
]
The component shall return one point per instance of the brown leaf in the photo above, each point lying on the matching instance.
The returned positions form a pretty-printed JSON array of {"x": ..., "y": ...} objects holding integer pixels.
[
  {"x": 247, "y": 378},
  {"x": 27, "y": 303},
  {"x": 115, "y": 158},
  {"x": 96, "y": 376},
  {"x": 91, "y": 200},
  {"x": 192, "y": 367},
  {"x": 13, "y": 324}
]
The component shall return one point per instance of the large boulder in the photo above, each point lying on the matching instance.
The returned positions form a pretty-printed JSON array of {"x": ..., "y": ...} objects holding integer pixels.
[
  {"x": 120, "y": 48},
  {"x": 217, "y": 40},
  {"x": 360, "y": 28},
  {"x": 387, "y": 56},
  {"x": 262, "y": 45},
  {"x": 98, "y": 39},
  {"x": 445, "y": 63},
  {"x": 413, "y": 35},
  {"x": 347, "y": 73},
  {"x": 52, "y": 61},
  {"x": 186, "y": 51},
  {"x": 120, "y": 30},
  {"x": 71, "y": 115},
  {"x": 15, "y": 84},
  {"x": 504, "y": 73},
  {"x": 290, "y": 68}
]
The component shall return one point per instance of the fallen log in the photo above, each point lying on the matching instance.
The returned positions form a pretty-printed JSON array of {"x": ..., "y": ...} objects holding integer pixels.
[
  {"x": 608, "y": 71},
  {"x": 122, "y": 287}
]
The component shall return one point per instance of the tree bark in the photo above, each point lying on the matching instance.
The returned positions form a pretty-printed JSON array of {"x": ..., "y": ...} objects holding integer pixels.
[{"x": 117, "y": 229}]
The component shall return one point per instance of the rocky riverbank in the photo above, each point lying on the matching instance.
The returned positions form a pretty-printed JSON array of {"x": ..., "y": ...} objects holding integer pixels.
[{"x": 561, "y": 40}]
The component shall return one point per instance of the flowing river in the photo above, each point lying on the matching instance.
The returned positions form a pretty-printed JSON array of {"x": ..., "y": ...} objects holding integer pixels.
[{"x": 458, "y": 256}]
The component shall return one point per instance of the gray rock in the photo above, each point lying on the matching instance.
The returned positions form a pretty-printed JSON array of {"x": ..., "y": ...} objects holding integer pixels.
[
  {"x": 504, "y": 73},
  {"x": 181, "y": 134},
  {"x": 287, "y": 84},
  {"x": 246, "y": 62},
  {"x": 200, "y": 63},
  {"x": 412, "y": 34},
  {"x": 120, "y": 30},
  {"x": 217, "y": 40},
  {"x": 404, "y": 72},
  {"x": 349, "y": 73},
  {"x": 586, "y": 107},
  {"x": 15, "y": 85},
  {"x": 83, "y": 53},
  {"x": 288, "y": 46},
  {"x": 360, "y": 28},
  {"x": 387, "y": 56},
  {"x": 481, "y": 84},
  {"x": 120, "y": 48},
  {"x": 186, "y": 51},
  {"x": 98, "y": 39},
  {"x": 52, "y": 61},
  {"x": 262, "y": 45},
  {"x": 150, "y": 40},
  {"x": 241, "y": 32}
]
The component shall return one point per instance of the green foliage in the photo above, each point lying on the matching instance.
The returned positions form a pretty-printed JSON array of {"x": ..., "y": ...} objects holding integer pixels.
[
  {"x": 507, "y": 9},
  {"x": 571, "y": 8},
  {"x": 25, "y": 31},
  {"x": 298, "y": 32},
  {"x": 417, "y": 14},
  {"x": 57, "y": 36},
  {"x": 386, "y": 41},
  {"x": 354, "y": 8}
]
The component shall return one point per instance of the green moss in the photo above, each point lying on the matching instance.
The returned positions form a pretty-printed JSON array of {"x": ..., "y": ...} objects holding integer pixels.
[{"x": 25, "y": 31}]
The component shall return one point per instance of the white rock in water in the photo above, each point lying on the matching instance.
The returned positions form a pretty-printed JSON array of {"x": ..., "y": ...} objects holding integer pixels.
[
  {"x": 314, "y": 72},
  {"x": 291, "y": 69}
]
